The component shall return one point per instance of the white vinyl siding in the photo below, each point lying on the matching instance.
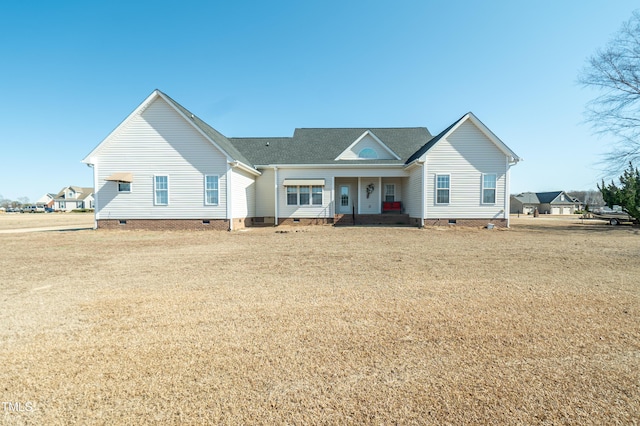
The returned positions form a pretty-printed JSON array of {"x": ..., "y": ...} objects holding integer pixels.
[
  {"x": 465, "y": 156},
  {"x": 265, "y": 193},
  {"x": 159, "y": 141},
  {"x": 412, "y": 192},
  {"x": 244, "y": 194}
]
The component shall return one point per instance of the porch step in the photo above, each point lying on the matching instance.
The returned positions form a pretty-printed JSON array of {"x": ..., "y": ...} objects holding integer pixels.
[{"x": 372, "y": 219}]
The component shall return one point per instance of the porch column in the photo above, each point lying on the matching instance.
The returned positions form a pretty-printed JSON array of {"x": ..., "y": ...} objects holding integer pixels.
[
  {"x": 275, "y": 178},
  {"x": 380, "y": 195},
  {"x": 229, "y": 200},
  {"x": 359, "y": 184}
]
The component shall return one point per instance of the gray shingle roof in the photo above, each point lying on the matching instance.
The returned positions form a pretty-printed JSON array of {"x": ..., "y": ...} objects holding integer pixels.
[
  {"x": 552, "y": 197},
  {"x": 322, "y": 146},
  {"x": 528, "y": 198}
]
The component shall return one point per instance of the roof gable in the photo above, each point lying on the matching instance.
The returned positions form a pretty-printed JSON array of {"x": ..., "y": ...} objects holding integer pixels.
[
  {"x": 209, "y": 133},
  {"x": 367, "y": 147},
  {"x": 555, "y": 197},
  {"x": 468, "y": 117}
]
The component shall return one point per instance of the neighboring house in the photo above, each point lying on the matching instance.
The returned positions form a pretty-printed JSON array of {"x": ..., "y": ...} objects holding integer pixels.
[
  {"x": 525, "y": 203},
  {"x": 164, "y": 168},
  {"x": 47, "y": 200},
  {"x": 72, "y": 198},
  {"x": 555, "y": 202}
]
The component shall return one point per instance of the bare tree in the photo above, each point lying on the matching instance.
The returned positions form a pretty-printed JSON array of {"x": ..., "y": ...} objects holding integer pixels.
[
  {"x": 592, "y": 197},
  {"x": 615, "y": 72}
]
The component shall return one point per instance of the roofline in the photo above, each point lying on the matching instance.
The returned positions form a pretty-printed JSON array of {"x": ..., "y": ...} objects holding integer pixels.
[
  {"x": 87, "y": 159},
  {"x": 332, "y": 166},
  {"x": 240, "y": 165},
  {"x": 144, "y": 105},
  {"x": 513, "y": 157},
  {"x": 492, "y": 136}
]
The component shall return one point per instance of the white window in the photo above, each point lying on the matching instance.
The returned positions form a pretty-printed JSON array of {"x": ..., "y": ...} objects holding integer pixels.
[
  {"x": 211, "y": 190},
  {"x": 389, "y": 192},
  {"x": 489, "y": 189},
  {"x": 124, "y": 186},
  {"x": 316, "y": 195},
  {"x": 305, "y": 199},
  {"x": 161, "y": 190},
  {"x": 304, "y": 195},
  {"x": 442, "y": 189},
  {"x": 368, "y": 153},
  {"x": 292, "y": 195}
]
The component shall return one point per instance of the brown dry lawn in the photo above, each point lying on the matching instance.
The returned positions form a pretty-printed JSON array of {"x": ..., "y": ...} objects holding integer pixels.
[
  {"x": 539, "y": 324},
  {"x": 22, "y": 221}
]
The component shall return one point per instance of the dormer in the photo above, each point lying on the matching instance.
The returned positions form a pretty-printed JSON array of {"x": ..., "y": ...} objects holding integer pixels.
[{"x": 367, "y": 147}]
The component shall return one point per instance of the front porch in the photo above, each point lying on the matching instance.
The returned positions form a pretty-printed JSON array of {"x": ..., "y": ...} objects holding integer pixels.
[{"x": 370, "y": 201}]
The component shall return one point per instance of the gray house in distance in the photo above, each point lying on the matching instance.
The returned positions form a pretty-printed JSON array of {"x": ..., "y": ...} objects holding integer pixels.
[{"x": 554, "y": 202}]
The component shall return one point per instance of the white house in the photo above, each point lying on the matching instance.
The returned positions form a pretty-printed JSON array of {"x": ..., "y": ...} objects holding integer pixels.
[
  {"x": 164, "y": 168},
  {"x": 47, "y": 200},
  {"x": 72, "y": 198}
]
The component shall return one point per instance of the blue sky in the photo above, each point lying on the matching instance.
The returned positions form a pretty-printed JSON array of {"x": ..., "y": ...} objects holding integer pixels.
[{"x": 71, "y": 71}]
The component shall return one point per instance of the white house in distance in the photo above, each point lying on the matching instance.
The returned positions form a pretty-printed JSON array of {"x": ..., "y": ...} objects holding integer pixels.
[
  {"x": 72, "y": 198},
  {"x": 164, "y": 168}
]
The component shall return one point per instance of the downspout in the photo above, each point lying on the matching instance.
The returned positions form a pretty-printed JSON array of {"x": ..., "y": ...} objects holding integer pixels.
[
  {"x": 275, "y": 182},
  {"x": 423, "y": 210},
  {"x": 506, "y": 191},
  {"x": 95, "y": 195},
  {"x": 229, "y": 198}
]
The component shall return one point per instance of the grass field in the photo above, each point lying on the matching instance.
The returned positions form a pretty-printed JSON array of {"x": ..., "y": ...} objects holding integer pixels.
[{"x": 538, "y": 324}]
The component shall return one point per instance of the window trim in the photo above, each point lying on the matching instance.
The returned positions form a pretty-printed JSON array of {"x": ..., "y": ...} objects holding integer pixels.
[
  {"x": 217, "y": 190},
  {"x": 306, "y": 193},
  {"x": 309, "y": 194},
  {"x": 448, "y": 188},
  {"x": 485, "y": 188},
  {"x": 386, "y": 194},
  {"x": 316, "y": 193},
  {"x": 155, "y": 190},
  {"x": 294, "y": 192}
]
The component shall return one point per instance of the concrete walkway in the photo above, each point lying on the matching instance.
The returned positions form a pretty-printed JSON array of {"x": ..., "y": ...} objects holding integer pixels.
[{"x": 65, "y": 228}]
